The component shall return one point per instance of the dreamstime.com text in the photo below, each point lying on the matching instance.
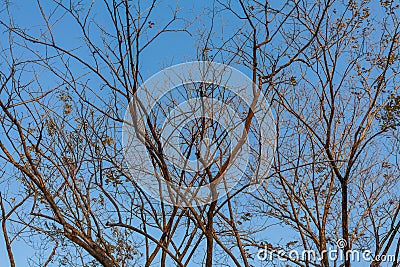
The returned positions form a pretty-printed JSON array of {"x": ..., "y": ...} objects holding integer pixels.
[{"x": 332, "y": 254}]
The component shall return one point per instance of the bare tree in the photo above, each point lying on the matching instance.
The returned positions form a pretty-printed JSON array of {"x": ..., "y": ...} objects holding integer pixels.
[{"x": 330, "y": 70}]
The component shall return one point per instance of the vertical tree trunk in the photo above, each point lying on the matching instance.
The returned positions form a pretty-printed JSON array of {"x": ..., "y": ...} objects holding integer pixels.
[
  {"x": 345, "y": 223},
  {"x": 210, "y": 229}
]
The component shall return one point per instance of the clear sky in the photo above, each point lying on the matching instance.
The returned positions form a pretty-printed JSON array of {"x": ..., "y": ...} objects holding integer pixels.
[{"x": 169, "y": 49}]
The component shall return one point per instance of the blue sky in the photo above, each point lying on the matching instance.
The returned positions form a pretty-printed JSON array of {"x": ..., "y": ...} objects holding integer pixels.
[{"x": 167, "y": 50}]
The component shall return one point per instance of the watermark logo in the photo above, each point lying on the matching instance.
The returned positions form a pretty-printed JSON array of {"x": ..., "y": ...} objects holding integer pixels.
[
  {"x": 155, "y": 151},
  {"x": 341, "y": 243},
  {"x": 332, "y": 254}
]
